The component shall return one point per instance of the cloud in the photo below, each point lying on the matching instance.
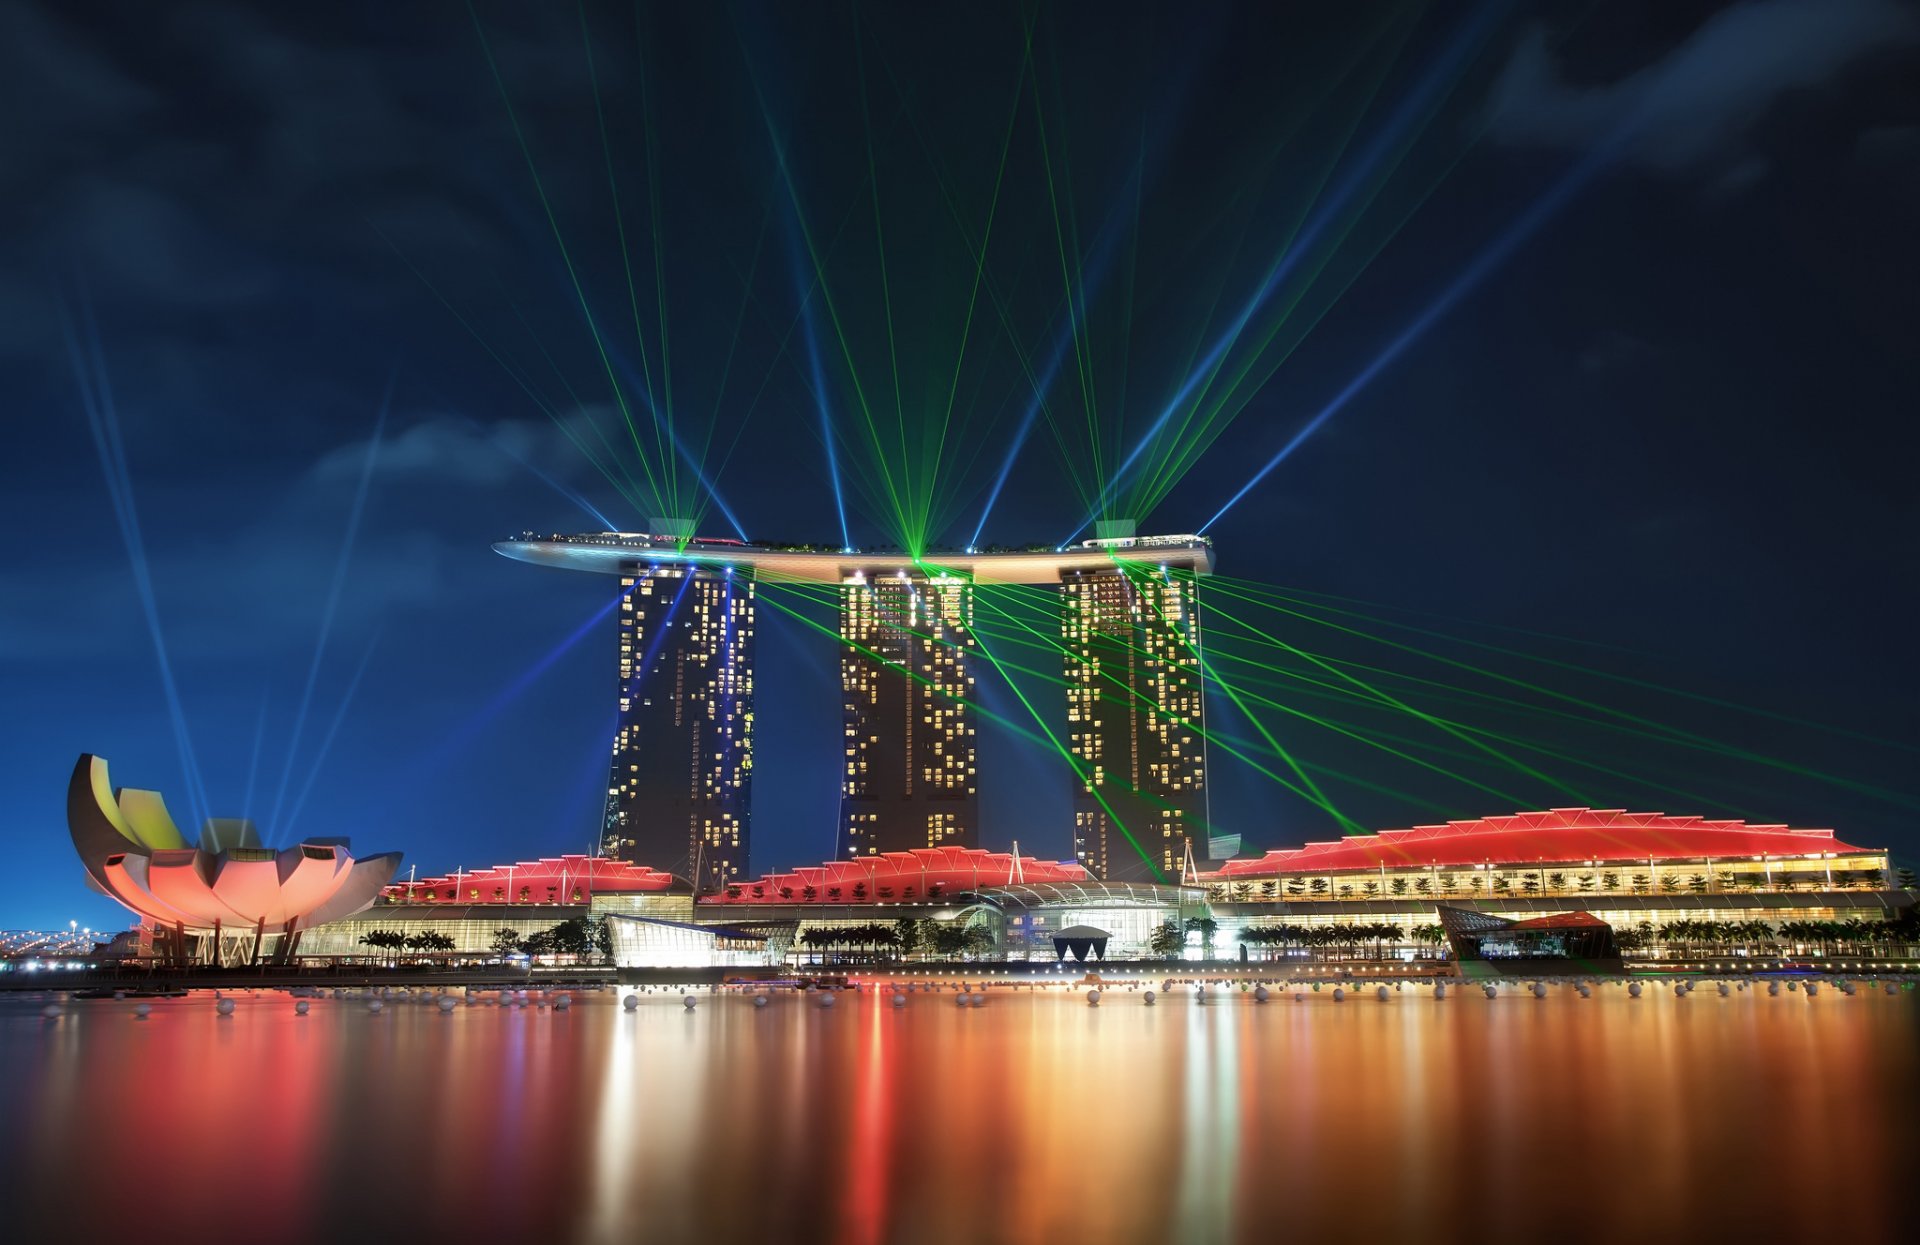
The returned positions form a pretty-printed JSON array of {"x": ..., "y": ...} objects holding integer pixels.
[
  {"x": 1694, "y": 110},
  {"x": 458, "y": 450}
]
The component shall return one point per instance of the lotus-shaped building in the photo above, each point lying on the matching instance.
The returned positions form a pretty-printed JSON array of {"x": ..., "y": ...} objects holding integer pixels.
[{"x": 223, "y": 891}]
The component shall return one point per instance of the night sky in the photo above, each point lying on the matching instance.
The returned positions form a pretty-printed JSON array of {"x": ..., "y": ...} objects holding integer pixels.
[{"x": 1628, "y": 292}]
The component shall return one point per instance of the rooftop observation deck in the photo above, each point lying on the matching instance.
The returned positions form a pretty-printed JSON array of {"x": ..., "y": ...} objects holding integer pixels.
[{"x": 618, "y": 553}]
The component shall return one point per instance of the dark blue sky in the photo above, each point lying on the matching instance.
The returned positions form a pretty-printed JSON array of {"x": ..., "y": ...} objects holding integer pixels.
[{"x": 1675, "y": 422}]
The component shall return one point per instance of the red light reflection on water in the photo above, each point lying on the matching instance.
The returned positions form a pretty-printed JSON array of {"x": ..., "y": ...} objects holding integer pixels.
[{"x": 1033, "y": 1119}]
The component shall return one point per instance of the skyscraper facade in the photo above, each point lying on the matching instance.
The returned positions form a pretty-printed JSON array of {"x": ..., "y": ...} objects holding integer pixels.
[
  {"x": 1131, "y": 638},
  {"x": 682, "y": 775},
  {"x": 907, "y": 699}
]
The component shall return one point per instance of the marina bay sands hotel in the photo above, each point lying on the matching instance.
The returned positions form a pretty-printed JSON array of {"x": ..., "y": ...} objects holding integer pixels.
[{"x": 678, "y": 797}]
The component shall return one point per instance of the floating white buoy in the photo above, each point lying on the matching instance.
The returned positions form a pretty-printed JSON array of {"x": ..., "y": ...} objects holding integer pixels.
[
  {"x": 1148, "y": 998},
  {"x": 1382, "y": 994},
  {"x": 51, "y": 1011},
  {"x": 1583, "y": 991},
  {"x": 759, "y": 1000},
  {"x": 1812, "y": 989},
  {"x": 1093, "y": 998},
  {"x": 631, "y": 1002},
  {"x": 1439, "y": 990},
  {"x": 1679, "y": 989},
  {"x": 1339, "y": 995},
  {"x": 1892, "y": 989},
  {"x": 1773, "y": 988},
  {"x": 562, "y": 1003},
  {"x": 1633, "y": 988},
  {"x": 1493, "y": 991},
  {"x": 447, "y": 1004},
  {"x": 688, "y": 1000},
  {"x": 1539, "y": 989},
  {"x": 959, "y": 1000},
  {"x": 142, "y": 1010},
  {"x": 1260, "y": 994},
  {"x": 1724, "y": 991},
  {"x": 826, "y": 999},
  {"x": 300, "y": 1008},
  {"x": 899, "y": 1000},
  {"x": 224, "y": 1007},
  {"x": 373, "y": 1005},
  {"x": 119, "y": 994}
]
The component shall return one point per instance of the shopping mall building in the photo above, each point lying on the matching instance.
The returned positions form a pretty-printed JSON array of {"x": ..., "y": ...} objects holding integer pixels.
[{"x": 1673, "y": 889}]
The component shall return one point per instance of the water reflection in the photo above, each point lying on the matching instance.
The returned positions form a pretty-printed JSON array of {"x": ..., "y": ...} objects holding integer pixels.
[{"x": 1036, "y": 1118}]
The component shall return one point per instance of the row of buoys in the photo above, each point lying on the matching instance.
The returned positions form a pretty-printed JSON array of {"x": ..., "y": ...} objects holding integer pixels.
[{"x": 969, "y": 994}]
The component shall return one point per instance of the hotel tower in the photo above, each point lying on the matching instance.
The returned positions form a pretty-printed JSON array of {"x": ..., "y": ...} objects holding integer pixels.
[
  {"x": 682, "y": 775},
  {"x": 1131, "y": 637},
  {"x": 909, "y": 776}
]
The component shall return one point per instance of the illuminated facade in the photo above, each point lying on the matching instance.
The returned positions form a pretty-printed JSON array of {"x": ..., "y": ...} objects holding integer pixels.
[
  {"x": 680, "y": 787},
  {"x": 909, "y": 778},
  {"x": 1134, "y": 719}
]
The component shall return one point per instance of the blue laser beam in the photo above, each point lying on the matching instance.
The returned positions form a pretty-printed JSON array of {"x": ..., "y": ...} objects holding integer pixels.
[
  {"x": 253, "y": 760},
  {"x": 1358, "y": 173},
  {"x": 1094, "y": 271},
  {"x": 571, "y": 495},
  {"x": 635, "y": 381},
  {"x": 457, "y": 742},
  {"x": 1483, "y": 265},
  {"x": 326, "y": 743},
  {"x": 811, "y": 337},
  {"x": 103, "y": 423},
  {"x": 332, "y": 605}
]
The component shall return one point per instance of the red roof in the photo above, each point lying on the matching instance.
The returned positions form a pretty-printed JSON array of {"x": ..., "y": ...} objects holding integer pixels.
[
  {"x": 1559, "y": 835},
  {"x": 551, "y": 879},
  {"x": 908, "y": 875},
  {"x": 1559, "y": 920}
]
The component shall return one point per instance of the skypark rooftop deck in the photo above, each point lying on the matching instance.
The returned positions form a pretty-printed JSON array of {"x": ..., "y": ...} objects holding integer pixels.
[{"x": 615, "y": 553}]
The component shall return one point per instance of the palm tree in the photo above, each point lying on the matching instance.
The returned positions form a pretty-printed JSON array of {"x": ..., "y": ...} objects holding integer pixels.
[
  {"x": 833, "y": 894},
  {"x": 809, "y": 893},
  {"x": 859, "y": 891},
  {"x": 1206, "y": 927},
  {"x": 786, "y": 892}
]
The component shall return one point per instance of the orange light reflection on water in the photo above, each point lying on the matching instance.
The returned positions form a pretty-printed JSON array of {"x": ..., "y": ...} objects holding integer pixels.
[{"x": 1033, "y": 1119}]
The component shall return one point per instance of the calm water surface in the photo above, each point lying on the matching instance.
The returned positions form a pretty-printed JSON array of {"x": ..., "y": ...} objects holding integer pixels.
[{"x": 1033, "y": 1119}]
